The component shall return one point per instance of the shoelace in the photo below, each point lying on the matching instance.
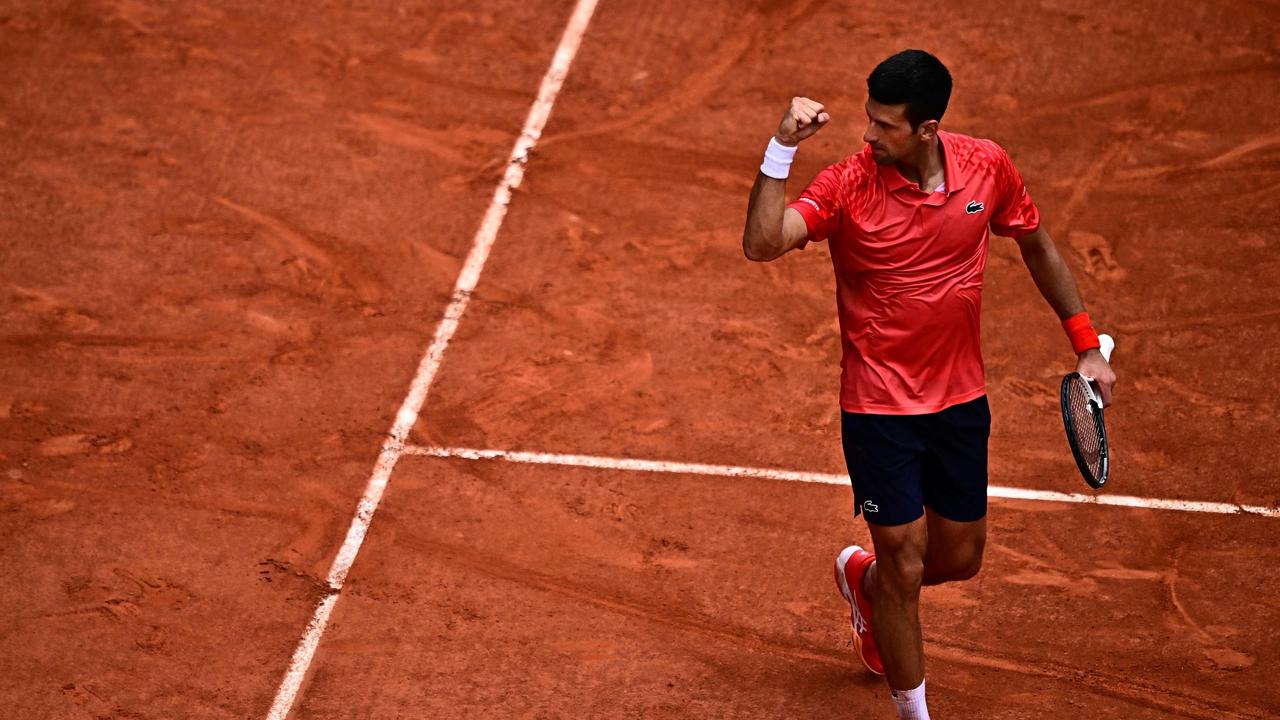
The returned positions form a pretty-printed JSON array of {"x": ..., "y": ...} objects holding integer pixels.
[{"x": 859, "y": 625}]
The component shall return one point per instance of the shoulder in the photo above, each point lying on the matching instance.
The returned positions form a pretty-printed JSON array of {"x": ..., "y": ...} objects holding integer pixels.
[
  {"x": 858, "y": 167},
  {"x": 837, "y": 179},
  {"x": 852, "y": 172},
  {"x": 852, "y": 168},
  {"x": 975, "y": 154}
]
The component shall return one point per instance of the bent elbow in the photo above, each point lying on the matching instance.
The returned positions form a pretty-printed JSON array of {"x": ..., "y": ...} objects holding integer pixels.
[{"x": 754, "y": 253}]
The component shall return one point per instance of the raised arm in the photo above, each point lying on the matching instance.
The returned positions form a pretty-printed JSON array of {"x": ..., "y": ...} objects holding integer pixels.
[
  {"x": 772, "y": 229},
  {"x": 1054, "y": 280}
]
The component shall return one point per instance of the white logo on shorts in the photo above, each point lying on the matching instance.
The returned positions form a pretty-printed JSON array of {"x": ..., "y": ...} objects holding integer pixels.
[{"x": 869, "y": 506}]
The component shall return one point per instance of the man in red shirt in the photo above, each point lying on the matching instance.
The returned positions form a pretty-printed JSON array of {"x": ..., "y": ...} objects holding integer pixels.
[{"x": 907, "y": 223}]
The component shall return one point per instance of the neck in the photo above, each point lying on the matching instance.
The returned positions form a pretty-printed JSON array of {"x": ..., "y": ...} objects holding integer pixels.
[{"x": 926, "y": 167}]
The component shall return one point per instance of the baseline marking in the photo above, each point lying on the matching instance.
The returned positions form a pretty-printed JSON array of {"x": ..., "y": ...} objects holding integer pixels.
[
  {"x": 393, "y": 446},
  {"x": 662, "y": 466}
]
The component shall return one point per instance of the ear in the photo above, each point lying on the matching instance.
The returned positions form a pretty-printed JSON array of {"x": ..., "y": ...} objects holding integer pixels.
[{"x": 928, "y": 130}]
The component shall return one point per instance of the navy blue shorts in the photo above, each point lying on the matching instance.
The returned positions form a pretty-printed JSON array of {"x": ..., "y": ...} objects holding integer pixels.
[{"x": 901, "y": 464}]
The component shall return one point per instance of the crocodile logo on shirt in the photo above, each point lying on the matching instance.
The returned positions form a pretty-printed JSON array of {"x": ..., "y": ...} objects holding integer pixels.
[
  {"x": 869, "y": 506},
  {"x": 974, "y": 207}
]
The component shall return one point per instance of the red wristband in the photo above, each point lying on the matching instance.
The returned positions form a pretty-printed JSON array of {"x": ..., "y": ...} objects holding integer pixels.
[{"x": 1080, "y": 332}]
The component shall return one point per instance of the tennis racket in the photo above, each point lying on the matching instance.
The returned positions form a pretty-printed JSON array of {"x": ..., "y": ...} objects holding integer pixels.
[{"x": 1082, "y": 416}]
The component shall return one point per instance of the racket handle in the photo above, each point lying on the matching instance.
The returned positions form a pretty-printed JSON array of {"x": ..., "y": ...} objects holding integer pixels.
[{"x": 1108, "y": 344}]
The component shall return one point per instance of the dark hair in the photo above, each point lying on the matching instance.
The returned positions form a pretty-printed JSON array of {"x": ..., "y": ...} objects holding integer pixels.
[{"x": 916, "y": 78}]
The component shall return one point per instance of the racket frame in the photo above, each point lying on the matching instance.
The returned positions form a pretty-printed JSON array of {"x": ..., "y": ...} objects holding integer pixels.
[{"x": 1095, "y": 404}]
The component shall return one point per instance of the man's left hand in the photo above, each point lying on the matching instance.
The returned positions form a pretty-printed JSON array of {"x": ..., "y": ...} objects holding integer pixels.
[{"x": 1092, "y": 365}]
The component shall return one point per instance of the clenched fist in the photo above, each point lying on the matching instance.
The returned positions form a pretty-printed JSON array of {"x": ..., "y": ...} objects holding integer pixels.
[{"x": 804, "y": 118}]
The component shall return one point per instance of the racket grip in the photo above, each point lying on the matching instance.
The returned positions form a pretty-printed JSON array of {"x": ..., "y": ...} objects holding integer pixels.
[{"x": 1108, "y": 344}]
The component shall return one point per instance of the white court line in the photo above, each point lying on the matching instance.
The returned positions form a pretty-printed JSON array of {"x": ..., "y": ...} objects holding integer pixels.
[
  {"x": 393, "y": 445},
  {"x": 662, "y": 466}
]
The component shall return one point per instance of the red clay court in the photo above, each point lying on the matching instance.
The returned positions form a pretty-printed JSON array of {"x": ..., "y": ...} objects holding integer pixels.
[{"x": 268, "y": 267}]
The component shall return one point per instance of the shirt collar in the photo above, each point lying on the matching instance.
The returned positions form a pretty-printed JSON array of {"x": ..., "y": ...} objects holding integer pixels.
[
  {"x": 951, "y": 169},
  {"x": 955, "y": 181}
]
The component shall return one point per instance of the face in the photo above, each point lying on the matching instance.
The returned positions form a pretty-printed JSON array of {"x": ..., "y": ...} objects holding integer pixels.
[{"x": 890, "y": 135}]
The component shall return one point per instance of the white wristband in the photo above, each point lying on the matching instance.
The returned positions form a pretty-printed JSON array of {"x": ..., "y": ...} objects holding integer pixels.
[{"x": 777, "y": 160}]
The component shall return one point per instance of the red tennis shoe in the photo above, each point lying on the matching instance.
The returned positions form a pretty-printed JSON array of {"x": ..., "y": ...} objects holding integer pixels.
[{"x": 851, "y": 567}]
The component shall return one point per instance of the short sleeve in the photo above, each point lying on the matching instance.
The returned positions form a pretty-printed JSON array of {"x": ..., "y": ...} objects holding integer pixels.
[
  {"x": 819, "y": 204},
  {"x": 1016, "y": 215}
]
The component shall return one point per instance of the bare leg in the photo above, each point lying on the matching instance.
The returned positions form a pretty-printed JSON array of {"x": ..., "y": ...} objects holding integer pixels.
[
  {"x": 928, "y": 551},
  {"x": 954, "y": 549},
  {"x": 895, "y": 592}
]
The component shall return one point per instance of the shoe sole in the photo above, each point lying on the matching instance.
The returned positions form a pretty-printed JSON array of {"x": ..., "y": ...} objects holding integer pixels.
[{"x": 842, "y": 583}]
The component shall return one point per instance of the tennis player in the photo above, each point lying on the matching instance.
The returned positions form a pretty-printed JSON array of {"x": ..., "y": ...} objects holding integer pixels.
[{"x": 907, "y": 221}]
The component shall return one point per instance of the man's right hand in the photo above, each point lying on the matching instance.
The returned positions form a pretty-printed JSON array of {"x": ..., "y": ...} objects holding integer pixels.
[
  {"x": 804, "y": 118},
  {"x": 772, "y": 228}
]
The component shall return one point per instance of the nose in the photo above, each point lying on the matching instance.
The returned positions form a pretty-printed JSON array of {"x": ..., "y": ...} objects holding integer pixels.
[{"x": 869, "y": 137}]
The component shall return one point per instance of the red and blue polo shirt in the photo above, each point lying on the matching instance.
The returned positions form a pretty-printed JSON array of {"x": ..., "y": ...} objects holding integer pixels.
[{"x": 909, "y": 270}]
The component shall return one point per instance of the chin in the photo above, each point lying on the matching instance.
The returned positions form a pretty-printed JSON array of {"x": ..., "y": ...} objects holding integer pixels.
[{"x": 883, "y": 159}]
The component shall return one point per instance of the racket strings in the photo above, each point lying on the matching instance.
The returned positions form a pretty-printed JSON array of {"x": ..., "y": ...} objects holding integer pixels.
[{"x": 1085, "y": 426}]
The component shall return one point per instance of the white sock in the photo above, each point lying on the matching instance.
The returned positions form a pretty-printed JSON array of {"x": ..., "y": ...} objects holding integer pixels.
[{"x": 911, "y": 705}]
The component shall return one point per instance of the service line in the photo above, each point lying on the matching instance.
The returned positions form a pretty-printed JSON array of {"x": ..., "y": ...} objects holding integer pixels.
[
  {"x": 684, "y": 468},
  {"x": 393, "y": 446}
]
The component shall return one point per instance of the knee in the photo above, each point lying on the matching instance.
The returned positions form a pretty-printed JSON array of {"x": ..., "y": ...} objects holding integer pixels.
[
  {"x": 899, "y": 577},
  {"x": 968, "y": 568},
  {"x": 956, "y": 569}
]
